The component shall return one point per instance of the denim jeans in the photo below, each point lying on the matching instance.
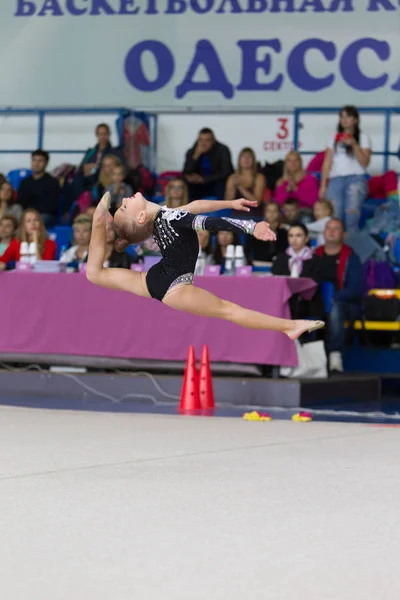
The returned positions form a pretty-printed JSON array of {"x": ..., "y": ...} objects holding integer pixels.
[
  {"x": 340, "y": 313},
  {"x": 347, "y": 195}
]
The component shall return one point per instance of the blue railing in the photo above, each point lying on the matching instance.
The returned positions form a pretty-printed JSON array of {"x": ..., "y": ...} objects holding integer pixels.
[
  {"x": 41, "y": 113},
  {"x": 387, "y": 112}
]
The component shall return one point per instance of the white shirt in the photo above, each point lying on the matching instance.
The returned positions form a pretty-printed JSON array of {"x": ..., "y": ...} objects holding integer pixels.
[
  {"x": 317, "y": 228},
  {"x": 344, "y": 164},
  {"x": 70, "y": 255}
]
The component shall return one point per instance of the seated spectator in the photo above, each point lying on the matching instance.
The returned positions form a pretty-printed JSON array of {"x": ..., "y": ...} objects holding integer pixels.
[
  {"x": 299, "y": 261},
  {"x": 261, "y": 251},
  {"x": 224, "y": 239},
  {"x": 89, "y": 168},
  {"x": 40, "y": 190},
  {"x": 176, "y": 193},
  {"x": 247, "y": 182},
  {"x": 8, "y": 229},
  {"x": 207, "y": 166},
  {"x": 343, "y": 269},
  {"x": 345, "y": 163},
  {"x": 296, "y": 183},
  {"x": 291, "y": 212},
  {"x": 113, "y": 258},
  {"x": 105, "y": 176},
  {"x": 118, "y": 188},
  {"x": 323, "y": 211},
  {"x": 7, "y": 204},
  {"x": 77, "y": 254},
  {"x": 31, "y": 229},
  {"x": 205, "y": 256}
]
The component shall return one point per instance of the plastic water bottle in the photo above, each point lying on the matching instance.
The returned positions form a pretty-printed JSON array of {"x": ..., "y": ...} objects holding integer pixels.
[
  {"x": 24, "y": 253},
  {"x": 230, "y": 260},
  {"x": 32, "y": 252},
  {"x": 240, "y": 260},
  {"x": 200, "y": 264}
]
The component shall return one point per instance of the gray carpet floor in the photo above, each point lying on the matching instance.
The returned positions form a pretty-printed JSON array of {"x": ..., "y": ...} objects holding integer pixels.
[{"x": 99, "y": 506}]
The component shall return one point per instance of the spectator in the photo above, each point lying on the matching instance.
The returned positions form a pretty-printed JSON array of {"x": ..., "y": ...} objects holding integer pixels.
[
  {"x": 89, "y": 168},
  {"x": 118, "y": 188},
  {"x": 40, "y": 190},
  {"x": 7, "y": 205},
  {"x": 343, "y": 269},
  {"x": 266, "y": 251},
  {"x": 296, "y": 183},
  {"x": 112, "y": 258},
  {"x": 345, "y": 163},
  {"x": 8, "y": 228},
  {"x": 207, "y": 166},
  {"x": 323, "y": 211},
  {"x": 176, "y": 193},
  {"x": 291, "y": 212},
  {"x": 224, "y": 239},
  {"x": 247, "y": 182},
  {"x": 299, "y": 261},
  {"x": 77, "y": 254},
  {"x": 31, "y": 229},
  {"x": 110, "y": 162}
]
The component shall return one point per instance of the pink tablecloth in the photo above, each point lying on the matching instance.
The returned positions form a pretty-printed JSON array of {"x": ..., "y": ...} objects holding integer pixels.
[{"x": 65, "y": 314}]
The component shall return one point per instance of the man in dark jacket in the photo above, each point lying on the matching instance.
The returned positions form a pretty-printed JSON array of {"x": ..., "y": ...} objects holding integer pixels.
[
  {"x": 207, "y": 167},
  {"x": 342, "y": 268},
  {"x": 40, "y": 190}
]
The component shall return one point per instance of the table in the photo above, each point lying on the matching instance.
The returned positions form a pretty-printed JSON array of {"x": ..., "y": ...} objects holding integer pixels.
[{"x": 66, "y": 314}]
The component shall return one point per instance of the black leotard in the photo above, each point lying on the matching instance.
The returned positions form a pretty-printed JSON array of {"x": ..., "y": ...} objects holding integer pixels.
[{"x": 175, "y": 234}]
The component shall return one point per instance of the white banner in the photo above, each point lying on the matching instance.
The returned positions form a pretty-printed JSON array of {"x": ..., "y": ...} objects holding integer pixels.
[{"x": 199, "y": 53}]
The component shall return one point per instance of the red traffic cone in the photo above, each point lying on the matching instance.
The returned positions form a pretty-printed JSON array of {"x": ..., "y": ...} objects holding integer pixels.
[
  {"x": 205, "y": 382},
  {"x": 190, "y": 400}
]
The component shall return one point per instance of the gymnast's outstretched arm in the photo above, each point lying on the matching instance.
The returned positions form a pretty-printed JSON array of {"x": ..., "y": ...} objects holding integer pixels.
[{"x": 198, "y": 207}]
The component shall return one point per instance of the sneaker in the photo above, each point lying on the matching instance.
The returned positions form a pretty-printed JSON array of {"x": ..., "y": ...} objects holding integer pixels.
[{"x": 335, "y": 362}]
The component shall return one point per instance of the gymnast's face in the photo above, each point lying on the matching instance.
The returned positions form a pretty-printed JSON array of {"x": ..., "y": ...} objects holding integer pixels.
[{"x": 131, "y": 209}]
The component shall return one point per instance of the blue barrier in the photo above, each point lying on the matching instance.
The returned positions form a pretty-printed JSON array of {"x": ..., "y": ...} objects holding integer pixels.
[{"x": 386, "y": 111}]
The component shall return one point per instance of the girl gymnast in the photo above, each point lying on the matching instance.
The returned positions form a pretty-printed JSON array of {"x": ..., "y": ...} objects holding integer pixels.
[{"x": 171, "y": 280}]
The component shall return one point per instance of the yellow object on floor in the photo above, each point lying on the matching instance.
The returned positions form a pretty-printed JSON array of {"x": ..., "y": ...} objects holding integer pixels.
[
  {"x": 303, "y": 417},
  {"x": 256, "y": 416}
]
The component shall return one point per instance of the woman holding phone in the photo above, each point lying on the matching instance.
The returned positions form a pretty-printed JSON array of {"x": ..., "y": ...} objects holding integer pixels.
[{"x": 345, "y": 163}]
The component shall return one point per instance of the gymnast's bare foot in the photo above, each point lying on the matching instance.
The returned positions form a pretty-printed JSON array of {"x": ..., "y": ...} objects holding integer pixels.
[
  {"x": 301, "y": 326},
  {"x": 101, "y": 214}
]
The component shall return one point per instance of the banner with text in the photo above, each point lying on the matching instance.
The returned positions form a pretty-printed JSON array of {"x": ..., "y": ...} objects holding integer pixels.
[{"x": 200, "y": 53}]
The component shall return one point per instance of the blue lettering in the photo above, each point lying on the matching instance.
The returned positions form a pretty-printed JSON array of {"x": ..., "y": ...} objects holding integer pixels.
[
  {"x": 71, "y": 8},
  {"x": 205, "y": 56},
  {"x": 25, "y": 9},
  {"x": 334, "y": 7},
  {"x": 297, "y": 69},
  {"x": 276, "y": 6},
  {"x": 125, "y": 4},
  {"x": 351, "y": 71},
  {"x": 133, "y": 65},
  {"x": 250, "y": 64},
  {"x": 180, "y": 7},
  {"x": 375, "y": 5},
  {"x": 257, "y": 6},
  {"x": 195, "y": 4},
  {"x": 234, "y": 5},
  {"x": 101, "y": 5},
  {"x": 151, "y": 8},
  {"x": 314, "y": 4},
  {"x": 53, "y": 6},
  {"x": 396, "y": 86}
]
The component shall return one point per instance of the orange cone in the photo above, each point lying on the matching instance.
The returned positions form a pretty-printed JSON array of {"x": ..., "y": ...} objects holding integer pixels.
[
  {"x": 205, "y": 382},
  {"x": 190, "y": 400}
]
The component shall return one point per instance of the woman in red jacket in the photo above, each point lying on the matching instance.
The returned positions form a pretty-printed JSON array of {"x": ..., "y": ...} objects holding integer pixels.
[{"x": 31, "y": 230}]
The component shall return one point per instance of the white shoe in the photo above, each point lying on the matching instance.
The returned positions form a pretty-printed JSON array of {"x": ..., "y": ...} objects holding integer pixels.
[{"x": 335, "y": 362}]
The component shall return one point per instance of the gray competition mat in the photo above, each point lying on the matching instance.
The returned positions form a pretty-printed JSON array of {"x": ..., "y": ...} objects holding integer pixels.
[{"x": 100, "y": 506}]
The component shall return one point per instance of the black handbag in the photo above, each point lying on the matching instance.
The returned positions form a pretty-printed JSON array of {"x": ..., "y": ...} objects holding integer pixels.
[{"x": 381, "y": 309}]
